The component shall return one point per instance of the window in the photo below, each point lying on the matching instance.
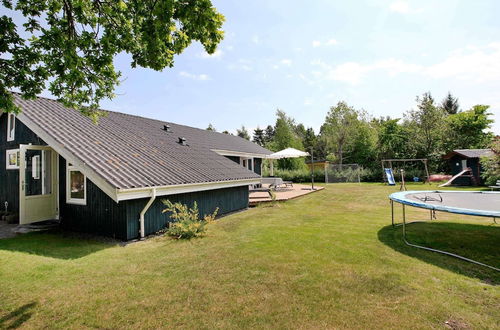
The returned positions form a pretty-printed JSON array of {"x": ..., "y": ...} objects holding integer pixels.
[
  {"x": 11, "y": 127},
  {"x": 36, "y": 167},
  {"x": 12, "y": 159},
  {"x": 76, "y": 186}
]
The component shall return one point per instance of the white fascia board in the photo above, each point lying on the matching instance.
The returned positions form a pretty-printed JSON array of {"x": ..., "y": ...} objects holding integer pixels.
[
  {"x": 238, "y": 153},
  {"x": 135, "y": 193},
  {"x": 107, "y": 188}
]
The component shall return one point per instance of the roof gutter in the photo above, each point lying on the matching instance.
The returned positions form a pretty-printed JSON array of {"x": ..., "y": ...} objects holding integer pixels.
[
  {"x": 144, "y": 210},
  {"x": 145, "y": 192}
]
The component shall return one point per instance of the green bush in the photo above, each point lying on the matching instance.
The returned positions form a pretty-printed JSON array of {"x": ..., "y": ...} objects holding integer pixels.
[
  {"x": 491, "y": 165},
  {"x": 299, "y": 176},
  {"x": 187, "y": 222}
]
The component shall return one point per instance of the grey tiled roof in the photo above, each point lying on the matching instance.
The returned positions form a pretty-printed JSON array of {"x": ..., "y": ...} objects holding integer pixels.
[
  {"x": 134, "y": 152},
  {"x": 473, "y": 153}
]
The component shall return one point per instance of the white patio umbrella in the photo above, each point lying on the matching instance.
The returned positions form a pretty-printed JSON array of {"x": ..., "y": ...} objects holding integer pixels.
[
  {"x": 288, "y": 153},
  {"x": 291, "y": 153}
]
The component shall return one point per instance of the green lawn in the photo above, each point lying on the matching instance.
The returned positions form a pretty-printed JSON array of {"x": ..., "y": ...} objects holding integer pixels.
[{"x": 326, "y": 260}]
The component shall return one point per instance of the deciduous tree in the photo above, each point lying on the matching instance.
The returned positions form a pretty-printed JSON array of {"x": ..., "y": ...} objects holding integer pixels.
[
  {"x": 468, "y": 129},
  {"x": 69, "y": 45}
]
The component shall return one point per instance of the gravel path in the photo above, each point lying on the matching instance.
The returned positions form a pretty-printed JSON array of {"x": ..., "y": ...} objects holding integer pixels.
[{"x": 6, "y": 230}]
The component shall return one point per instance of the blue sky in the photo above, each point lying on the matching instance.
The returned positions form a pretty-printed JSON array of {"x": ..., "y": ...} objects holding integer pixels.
[{"x": 305, "y": 56}]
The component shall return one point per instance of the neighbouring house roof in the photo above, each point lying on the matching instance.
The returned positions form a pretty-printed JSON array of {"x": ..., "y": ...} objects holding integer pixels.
[
  {"x": 469, "y": 153},
  {"x": 131, "y": 152}
]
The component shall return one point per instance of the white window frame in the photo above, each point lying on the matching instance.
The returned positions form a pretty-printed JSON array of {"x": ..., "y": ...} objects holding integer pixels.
[
  {"x": 70, "y": 200},
  {"x": 11, "y": 123},
  {"x": 7, "y": 154}
]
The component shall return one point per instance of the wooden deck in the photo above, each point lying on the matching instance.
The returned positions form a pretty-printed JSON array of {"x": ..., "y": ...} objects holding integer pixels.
[{"x": 283, "y": 194}]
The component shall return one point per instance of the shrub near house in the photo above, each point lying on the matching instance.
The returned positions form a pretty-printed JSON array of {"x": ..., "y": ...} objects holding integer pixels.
[{"x": 187, "y": 222}]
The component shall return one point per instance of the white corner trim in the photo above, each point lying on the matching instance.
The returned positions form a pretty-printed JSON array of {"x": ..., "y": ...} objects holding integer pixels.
[
  {"x": 70, "y": 158},
  {"x": 238, "y": 153},
  {"x": 135, "y": 193}
]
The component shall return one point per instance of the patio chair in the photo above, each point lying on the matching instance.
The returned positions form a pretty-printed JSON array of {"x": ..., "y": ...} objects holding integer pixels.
[{"x": 267, "y": 190}]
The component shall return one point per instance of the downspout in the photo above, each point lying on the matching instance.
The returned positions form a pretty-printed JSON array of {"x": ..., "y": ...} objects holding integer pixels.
[{"x": 144, "y": 210}]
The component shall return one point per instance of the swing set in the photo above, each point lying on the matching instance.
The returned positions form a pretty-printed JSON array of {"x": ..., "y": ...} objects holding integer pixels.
[{"x": 388, "y": 170}]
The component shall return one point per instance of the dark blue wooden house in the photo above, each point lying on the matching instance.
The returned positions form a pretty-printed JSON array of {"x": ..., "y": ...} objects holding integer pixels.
[{"x": 109, "y": 178}]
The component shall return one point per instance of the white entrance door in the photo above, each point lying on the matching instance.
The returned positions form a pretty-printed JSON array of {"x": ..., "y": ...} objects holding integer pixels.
[{"x": 37, "y": 184}]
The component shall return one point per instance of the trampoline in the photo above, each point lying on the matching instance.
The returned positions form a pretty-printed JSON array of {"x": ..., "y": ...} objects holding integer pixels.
[{"x": 474, "y": 203}]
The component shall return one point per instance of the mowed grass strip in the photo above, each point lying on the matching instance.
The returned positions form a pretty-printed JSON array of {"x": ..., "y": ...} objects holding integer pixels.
[{"x": 326, "y": 260}]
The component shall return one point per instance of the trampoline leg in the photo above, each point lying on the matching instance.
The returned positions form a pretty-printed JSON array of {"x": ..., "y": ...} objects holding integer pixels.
[
  {"x": 404, "y": 223},
  {"x": 495, "y": 220},
  {"x": 392, "y": 212}
]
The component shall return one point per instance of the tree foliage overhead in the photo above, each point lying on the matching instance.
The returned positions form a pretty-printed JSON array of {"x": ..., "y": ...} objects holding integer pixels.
[{"x": 70, "y": 45}]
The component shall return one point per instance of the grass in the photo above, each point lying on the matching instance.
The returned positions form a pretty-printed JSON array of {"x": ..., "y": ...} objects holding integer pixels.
[{"x": 326, "y": 260}]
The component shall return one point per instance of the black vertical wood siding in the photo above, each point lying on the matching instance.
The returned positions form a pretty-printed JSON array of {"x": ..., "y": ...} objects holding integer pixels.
[
  {"x": 227, "y": 200},
  {"x": 257, "y": 165},
  {"x": 9, "y": 179},
  {"x": 102, "y": 215},
  {"x": 456, "y": 167},
  {"x": 105, "y": 217}
]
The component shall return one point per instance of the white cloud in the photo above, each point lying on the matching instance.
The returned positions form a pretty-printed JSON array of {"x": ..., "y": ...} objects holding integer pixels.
[
  {"x": 350, "y": 72},
  {"x": 217, "y": 54},
  {"x": 401, "y": 7},
  {"x": 242, "y": 64},
  {"x": 256, "y": 39},
  {"x": 477, "y": 64},
  {"x": 331, "y": 42},
  {"x": 473, "y": 64},
  {"x": 200, "y": 77},
  {"x": 286, "y": 61}
]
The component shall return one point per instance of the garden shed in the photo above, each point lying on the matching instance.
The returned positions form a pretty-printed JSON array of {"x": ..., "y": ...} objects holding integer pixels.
[{"x": 461, "y": 159}]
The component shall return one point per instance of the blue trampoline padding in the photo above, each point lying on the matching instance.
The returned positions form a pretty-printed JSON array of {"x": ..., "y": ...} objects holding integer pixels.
[
  {"x": 390, "y": 176},
  {"x": 477, "y": 203}
]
